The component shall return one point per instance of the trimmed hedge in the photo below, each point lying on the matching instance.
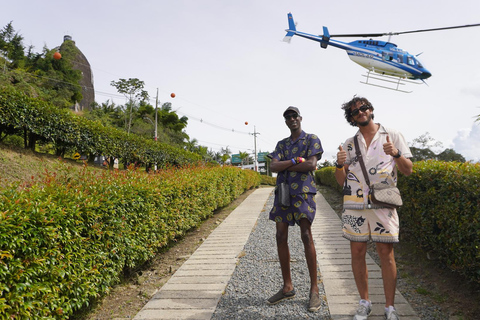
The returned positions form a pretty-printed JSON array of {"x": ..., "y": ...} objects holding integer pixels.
[
  {"x": 326, "y": 176},
  {"x": 440, "y": 212},
  {"x": 66, "y": 131},
  {"x": 66, "y": 239}
]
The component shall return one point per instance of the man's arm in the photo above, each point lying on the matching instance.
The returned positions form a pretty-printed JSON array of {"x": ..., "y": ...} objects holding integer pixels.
[{"x": 310, "y": 164}]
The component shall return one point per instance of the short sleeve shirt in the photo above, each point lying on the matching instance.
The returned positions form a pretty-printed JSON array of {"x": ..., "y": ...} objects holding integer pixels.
[
  {"x": 380, "y": 167},
  {"x": 305, "y": 146}
]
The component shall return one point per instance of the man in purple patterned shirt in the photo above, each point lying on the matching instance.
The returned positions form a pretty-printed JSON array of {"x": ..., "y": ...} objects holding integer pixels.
[{"x": 294, "y": 159}]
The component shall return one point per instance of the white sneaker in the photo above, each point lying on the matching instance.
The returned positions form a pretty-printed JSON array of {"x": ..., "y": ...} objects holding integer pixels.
[
  {"x": 391, "y": 314},
  {"x": 363, "y": 311}
]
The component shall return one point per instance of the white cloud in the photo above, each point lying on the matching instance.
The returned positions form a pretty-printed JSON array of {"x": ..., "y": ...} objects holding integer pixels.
[{"x": 467, "y": 142}]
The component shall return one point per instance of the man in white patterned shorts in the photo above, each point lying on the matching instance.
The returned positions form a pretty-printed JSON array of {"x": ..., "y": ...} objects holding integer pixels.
[{"x": 383, "y": 151}]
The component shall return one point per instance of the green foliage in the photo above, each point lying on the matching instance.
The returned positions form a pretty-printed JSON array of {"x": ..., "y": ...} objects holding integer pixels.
[
  {"x": 441, "y": 211},
  {"x": 68, "y": 132},
  {"x": 326, "y": 176},
  {"x": 422, "y": 146},
  {"x": 38, "y": 74},
  {"x": 66, "y": 239},
  {"x": 267, "y": 180}
]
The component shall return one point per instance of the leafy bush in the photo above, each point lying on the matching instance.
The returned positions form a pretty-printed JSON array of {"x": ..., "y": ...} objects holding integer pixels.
[
  {"x": 267, "y": 180},
  {"x": 441, "y": 212},
  {"x": 68, "y": 132},
  {"x": 326, "y": 176},
  {"x": 66, "y": 239}
]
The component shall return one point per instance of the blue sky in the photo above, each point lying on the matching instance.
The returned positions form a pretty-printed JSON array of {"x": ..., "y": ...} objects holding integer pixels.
[{"x": 227, "y": 64}]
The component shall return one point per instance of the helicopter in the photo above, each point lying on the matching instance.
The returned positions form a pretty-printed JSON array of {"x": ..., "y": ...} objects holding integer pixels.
[{"x": 383, "y": 59}]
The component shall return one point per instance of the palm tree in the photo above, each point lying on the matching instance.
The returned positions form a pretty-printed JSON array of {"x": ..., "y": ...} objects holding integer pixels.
[{"x": 245, "y": 157}]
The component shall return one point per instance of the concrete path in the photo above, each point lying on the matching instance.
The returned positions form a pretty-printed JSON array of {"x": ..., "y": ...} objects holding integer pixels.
[
  {"x": 333, "y": 255},
  {"x": 195, "y": 289},
  {"x": 206, "y": 273}
]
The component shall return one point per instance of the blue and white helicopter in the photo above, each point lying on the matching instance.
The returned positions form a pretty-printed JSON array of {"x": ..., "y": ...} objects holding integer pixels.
[{"x": 383, "y": 60}]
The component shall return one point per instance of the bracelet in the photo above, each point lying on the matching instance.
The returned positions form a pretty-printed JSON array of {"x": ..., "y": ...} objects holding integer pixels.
[{"x": 293, "y": 161}]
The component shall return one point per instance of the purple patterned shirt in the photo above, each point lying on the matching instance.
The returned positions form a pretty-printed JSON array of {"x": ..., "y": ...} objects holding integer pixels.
[{"x": 306, "y": 146}]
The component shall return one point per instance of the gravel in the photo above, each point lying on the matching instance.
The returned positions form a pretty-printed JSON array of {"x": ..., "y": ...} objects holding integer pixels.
[{"x": 258, "y": 276}]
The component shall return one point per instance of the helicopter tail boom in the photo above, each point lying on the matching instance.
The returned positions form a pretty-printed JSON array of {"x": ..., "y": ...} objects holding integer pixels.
[{"x": 291, "y": 29}]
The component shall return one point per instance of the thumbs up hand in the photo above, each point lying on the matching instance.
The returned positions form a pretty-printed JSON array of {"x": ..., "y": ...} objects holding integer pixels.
[
  {"x": 389, "y": 148},
  {"x": 341, "y": 156}
]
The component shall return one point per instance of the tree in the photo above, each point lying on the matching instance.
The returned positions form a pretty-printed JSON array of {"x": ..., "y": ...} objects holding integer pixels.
[
  {"x": 225, "y": 158},
  {"x": 450, "y": 155},
  {"x": 421, "y": 149},
  {"x": 426, "y": 141},
  {"x": 325, "y": 163},
  {"x": 244, "y": 156},
  {"x": 11, "y": 43},
  {"x": 132, "y": 89}
]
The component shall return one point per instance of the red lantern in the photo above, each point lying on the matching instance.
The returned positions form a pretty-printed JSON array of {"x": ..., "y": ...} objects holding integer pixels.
[
  {"x": 57, "y": 56},
  {"x": 172, "y": 95}
]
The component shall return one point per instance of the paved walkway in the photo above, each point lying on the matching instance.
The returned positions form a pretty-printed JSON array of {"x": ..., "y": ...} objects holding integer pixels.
[{"x": 206, "y": 273}]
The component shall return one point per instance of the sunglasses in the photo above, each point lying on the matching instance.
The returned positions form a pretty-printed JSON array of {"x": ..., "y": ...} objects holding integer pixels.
[
  {"x": 291, "y": 116},
  {"x": 357, "y": 111}
]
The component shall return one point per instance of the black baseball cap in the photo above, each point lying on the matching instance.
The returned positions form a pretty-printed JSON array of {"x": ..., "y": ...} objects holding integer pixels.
[{"x": 291, "y": 108}]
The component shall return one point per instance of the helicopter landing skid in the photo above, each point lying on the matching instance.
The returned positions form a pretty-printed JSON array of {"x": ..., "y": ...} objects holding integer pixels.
[{"x": 396, "y": 82}]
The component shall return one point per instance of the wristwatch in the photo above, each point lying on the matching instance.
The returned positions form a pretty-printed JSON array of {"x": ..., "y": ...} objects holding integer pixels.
[
  {"x": 398, "y": 155},
  {"x": 339, "y": 166}
]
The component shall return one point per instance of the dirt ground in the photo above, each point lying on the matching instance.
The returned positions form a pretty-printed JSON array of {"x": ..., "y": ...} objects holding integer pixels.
[{"x": 424, "y": 282}]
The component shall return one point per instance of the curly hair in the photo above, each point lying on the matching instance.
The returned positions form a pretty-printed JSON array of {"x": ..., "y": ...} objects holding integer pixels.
[{"x": 347, "y": 106}]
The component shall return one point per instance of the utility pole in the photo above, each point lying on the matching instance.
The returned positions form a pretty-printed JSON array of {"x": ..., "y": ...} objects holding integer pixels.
[
  {"x": 255, "y": 145},
  {"x": 156, "y": 132},
  {"x": 156, "y": 107}
]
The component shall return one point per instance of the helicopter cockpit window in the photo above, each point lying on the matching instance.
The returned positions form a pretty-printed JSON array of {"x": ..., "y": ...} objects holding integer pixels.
[
  {"x": 386, "y": 56},
  {"x": 410, "y": 61}
]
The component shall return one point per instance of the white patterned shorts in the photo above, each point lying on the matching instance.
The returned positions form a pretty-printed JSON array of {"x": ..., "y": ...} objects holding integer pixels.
[{"x": 380, "y": 225}]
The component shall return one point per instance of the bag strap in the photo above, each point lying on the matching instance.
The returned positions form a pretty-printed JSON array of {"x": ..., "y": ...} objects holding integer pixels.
[{"x": 360, "y": 160}]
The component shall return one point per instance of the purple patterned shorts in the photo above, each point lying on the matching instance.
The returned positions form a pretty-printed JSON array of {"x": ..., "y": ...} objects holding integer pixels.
[{"x": 302, "y": 205}]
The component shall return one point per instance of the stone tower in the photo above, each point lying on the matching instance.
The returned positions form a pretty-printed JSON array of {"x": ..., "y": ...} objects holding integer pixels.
[{"x": 81, "y": 63}]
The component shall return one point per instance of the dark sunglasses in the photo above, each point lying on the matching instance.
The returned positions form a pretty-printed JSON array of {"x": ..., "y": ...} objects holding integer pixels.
[
  {"x": 291, "y": 116},
  {"x": 357, "y": 111}
]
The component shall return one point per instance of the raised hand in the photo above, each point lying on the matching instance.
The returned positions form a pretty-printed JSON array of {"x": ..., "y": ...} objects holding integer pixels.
[
  {"x": 389, "y": 148},
  {"x": 341, "y": 156}
]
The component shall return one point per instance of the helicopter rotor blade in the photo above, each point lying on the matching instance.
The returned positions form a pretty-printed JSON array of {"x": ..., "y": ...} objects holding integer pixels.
[
  {"x": 398, "y": 33},
  {"x": 359, "y": 35},
  {"x": 437, "y": 29}
]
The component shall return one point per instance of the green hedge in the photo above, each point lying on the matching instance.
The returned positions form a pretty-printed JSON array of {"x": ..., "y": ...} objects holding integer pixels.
[
  {"x": 326, "y": 176},
  {"x": 66, "y": 239},
  {"x": 441, "y": 211},
  {"x": 66, "y": 131}
]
